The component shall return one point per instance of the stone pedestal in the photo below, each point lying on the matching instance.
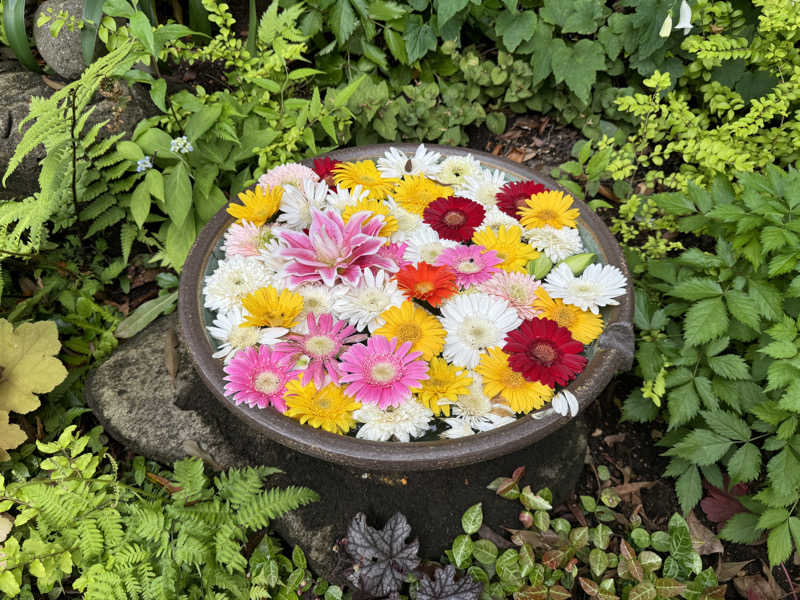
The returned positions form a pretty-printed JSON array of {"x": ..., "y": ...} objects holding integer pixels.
[{"x": 166, "y": 419}]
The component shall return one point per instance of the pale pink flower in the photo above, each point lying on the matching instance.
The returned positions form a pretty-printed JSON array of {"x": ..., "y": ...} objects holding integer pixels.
[
  {"x": 257, "y": 377},
  {"x": 518, "y": 289},
  {"x": 244, "y": 239},
  {"x": 395, "y": 251},
  {"x": 471, "y": 264},
  {"x": 291, "y": 173}
]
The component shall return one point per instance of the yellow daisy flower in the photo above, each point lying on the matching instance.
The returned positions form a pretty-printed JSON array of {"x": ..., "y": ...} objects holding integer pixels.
[
  {"x": 415, "y": 192},
  {"x": 445, "y": 383},
  {"x": 376, "y": 207},
  {"x": 500, "y": 380},
  {"x": 328, "y": 408},
  {"x": 265, "y": 308},
  {"x": 411, "y": 323},
  {"x": 507, "y": 242},
  {"x": 551, "y": 208},
  {"x": 364, "y": 173},
  {"x": 258, "y": 205},
  {"x": 584, "y": 325}
]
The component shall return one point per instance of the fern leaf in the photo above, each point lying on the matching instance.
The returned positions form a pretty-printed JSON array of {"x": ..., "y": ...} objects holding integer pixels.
[
  {"x": 98, "y": 207},
  {"x": 114, "y": 215},
  {"x": 273, "y": 503},
  {"x": 104, "y": 145},
  {"x": 127, "y": 236},
  {"x": 124, "y": 184},
  {"x": 90, "y": 136},
  {"x": 22, "y": 224},
  {"x": 91, "y": 538},
  {"x": 228, "y": 545}
]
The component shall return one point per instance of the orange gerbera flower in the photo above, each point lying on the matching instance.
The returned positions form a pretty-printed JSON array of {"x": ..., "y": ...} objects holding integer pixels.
[{"x": 427, "y": 282}]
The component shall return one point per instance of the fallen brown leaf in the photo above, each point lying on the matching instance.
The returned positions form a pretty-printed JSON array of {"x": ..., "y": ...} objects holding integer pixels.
[
  {"x": 728, "y": 570},
  {"x": 515, "y": 154},
  {"x": 610, "y": 440},
  {"x": 632, "y": 488},
  {"x": 756, "y": 587},
  {"x": 704, "y": 540},
  {"x": 56, "y": 85}
]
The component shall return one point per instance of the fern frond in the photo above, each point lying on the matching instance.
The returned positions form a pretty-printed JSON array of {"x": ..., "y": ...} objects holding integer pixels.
[
  {"x": 124, "y": 184},
  {"x": 103, "y": 146},
  {"x": 91, "y": 538},
  {"x": 237, "y": 486},
  {"x": 114, "y": 215},
  {"x": 273, "y": 503},
  {"x": 110, "y": 522},
  {"x": 117, "y": 171},
  {"x": 228, "y": 546},
  {"x": 22, "y": 224},
  {"x": 90, "y": 136},
  {"x": 98, "y": 207},
  {"x": 127, "y": 236},
  {"x": 190, "y": 477}
]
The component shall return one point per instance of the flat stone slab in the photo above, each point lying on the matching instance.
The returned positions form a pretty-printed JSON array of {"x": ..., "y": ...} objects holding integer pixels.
[{"x": 168, "y": 418}]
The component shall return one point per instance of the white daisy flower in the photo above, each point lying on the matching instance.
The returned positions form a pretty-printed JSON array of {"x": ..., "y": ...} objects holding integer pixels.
[
  {"x": 341, "y": 198},
  {"x": 454, "y": 169},
  {"x": 296, "y": 203},
  {"x": 565, "y": 403},
  {"x": 234, "y": 278},
  {"x": 597, "y": 286},
  {"x": 409, "y": 420},
  {"x": 226, "y": 329},
  {"x": 495, "y": 219},
  {"x": 317, "y": 299},
  {"x": 557, "y": 244},
  {"x": 475, "y": 411},
  {"x": 363, "y": 304},
  {"x": 396, "y": 163},
  {"x": 407, "y": 222},
  {"x": 270, "y": 254},
  {"x": 425, "y": 244},
  {"x": 475, "y": 322},
  {"x": 482, "y": 187}
]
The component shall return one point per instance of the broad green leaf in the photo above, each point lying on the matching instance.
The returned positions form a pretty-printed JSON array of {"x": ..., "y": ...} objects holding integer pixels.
[
  {"x": 485, "y": 552},
  {"x": 462, "y": 551},
  {"x": 140, "y": 203},
  {"x": 179, "y": 241},
  {"x": 743, "y": 308},
  {"x": 779, "y": 544},
  {"x": 745, "y": 464},
  {"x": 158, "y": 93},
  {"x": 515, "y": 28},
  {"x": 178, "y": 194},
  {"x": 701, "y": 446},
  {"x": 396, "y": 44},
  {"x": 780, "y": 349},
  {"x": 447, "y": 9},
  {"x": 791, "y": 397},
  {"x": 386, "y": 10},
  {"x": 696, "y": 289},
  {"x": 142, "y": 30},
  {"x": 783, "y": 471},
  {"x": 689, "y": 488},
  {"x": 202, "y": 121},
  {"x": 683, "y": 404},
  {"x": 741, "y": 528},
  {"x": 342, "y": 21},
  {"x": 472, "y": 519},
  {"x": 419, "y": 38},
  {"x": 705, "y": 320},
  {"x": 144, "y": 315},
  {"x": 643, "y": 591},
  {"x": 577, "y": 65},
  {"x": 598, "y": 562},
  {"x": 730, "y": 366}
]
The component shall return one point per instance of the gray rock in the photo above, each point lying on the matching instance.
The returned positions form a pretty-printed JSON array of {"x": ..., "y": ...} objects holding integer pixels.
[
  {"x": 61, "y": 53},
  {"x": 139, "y": 404}
]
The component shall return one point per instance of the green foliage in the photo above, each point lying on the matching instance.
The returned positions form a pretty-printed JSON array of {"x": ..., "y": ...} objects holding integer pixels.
[
  {"x": 162, "y": 535},
  {"x": 718, "y": 347}
]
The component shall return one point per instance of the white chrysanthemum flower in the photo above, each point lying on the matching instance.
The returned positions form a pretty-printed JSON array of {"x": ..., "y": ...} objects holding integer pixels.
[
  {"x": 234, "y": 278},
  {"x": 425, "y": 244},
  {"x": 409, "y": 420},
  {"x": 565, "y": 403},
  {"x": 363, "y": 304},
  {"x": 482, "y": 187},
  {"x": 495, "y": 219},
  {"x": 296, "y": 203},
  {"x": 226, "y": 329},
  {"x": 557, "y": 244},
  {"x": 475, "y": 322},
  {"x": 396, "y": 163},
  {"x": 454, "y": 169},
  {"x": 475, "y": 411},
  {"x": 270, "y": 254},
  {"x": 597, "y": 286},
  {"x": 407, "y": 222},
  {"x": 340, "y": 198},
  {"x": 317, "y": 299}
]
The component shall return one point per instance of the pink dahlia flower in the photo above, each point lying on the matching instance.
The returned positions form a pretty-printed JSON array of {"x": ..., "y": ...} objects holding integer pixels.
[
  {"x": 395, "y": 251},
  {"x": 257, "y": 377},
  {"x": 518, "y": 289},
  {"x": 291, "y": 173},
  {"x": 333, "y": 250},
  {"x": 471, "y": 264},
  {"x": 322, "y": 344},
  {"x": 244, "y": 239},
  {"x": 381, "y": 372}
]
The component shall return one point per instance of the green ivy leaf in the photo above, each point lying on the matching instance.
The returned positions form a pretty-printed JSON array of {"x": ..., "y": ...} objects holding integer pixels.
[
  {"x": 515, "y": 28},
  {"x": 472, "y": 519},
  {"x": 419, "y": 38},
  {"x": 577, "y": 65},
  {"x": 705, "y": 320}
]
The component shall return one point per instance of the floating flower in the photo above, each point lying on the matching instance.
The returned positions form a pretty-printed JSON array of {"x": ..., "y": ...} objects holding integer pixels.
[
  {"x": 245, "y": 239},
  {"x": 395, "y": 252},
  {"x": 258, "y": 205},
  {"x": 366, "y": 174},
  {"x": 415, "y": 193},
  {"x": 409, "y": 420},
  {"x": 333, "y": 251},
  {"x": 454, "y": 169},
  {"x": 513, "y": 195},
  {"x": 557, "y": 244},
  {"x": 551, "y": 208},
  {"x": 518, "y": 289},
  {"x": 454, "y": 218},
  {"x": 364, "y": 304},
  {"x": 381, "y": 372},
  {"x": 424, "y": 244},
  {"x": 233, "y": 279},
  {"x": 270, "y": 257},
  {"x": 597, "y": 286},
  {"x": 396, "y": 163},
  {"x": 566, "y": 404},
  {"x": 584, "y": 326},
  {"x": 340, "y": 198},
  {"x": 542, "y": 351},
  {"x": 500, "y": 380},
  {"x": 233, "y": 337},
  {"x": 445, "y": 382},
  {"x": 327, "y": 407},
  {"x": 298, "y": 201},
  {"x": 325, "y": 339},
  {"x": 293, "y": 174},
  {"x": 267, "y": 308},
  {"x": 507, "y": 242},
  {"x": 475, "y": 322},
  {"x": 376, "y": 208},
  {"x": 407, "y": 222},
  {"x": 428, "y": 283},
  {"x": 471, "y": 264},
  {"x": 475, "y": 411},
  {"x": 482, "y": 187},
  {"x": 318, "y": 299},
  {"x": 258, "y": 377},
  {"x": 411, "y": 323},
  {"x": 495, "y": 219},
  {"x": 324, "y": 168}
]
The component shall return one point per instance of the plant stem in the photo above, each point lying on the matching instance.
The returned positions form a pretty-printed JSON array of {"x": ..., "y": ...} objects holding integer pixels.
[
  {"x": 789, "y": 579},
  {"x": 74, "y": 156}
]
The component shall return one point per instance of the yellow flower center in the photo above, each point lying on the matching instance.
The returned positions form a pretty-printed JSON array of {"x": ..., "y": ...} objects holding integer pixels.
[
  {"x": 408, "y": 332},
  {"x": 382, "y": 372},
  {"x": 243, "y": 337},
  {"x": 468, "y": 266},
  {"x": 517, "y": 292},
  {"x": 320, "y": 345},
  {"x": 515, "y": 380},
  {"x": 564, "y": 317},
  {"x": 430, "y": 253},
  {"x": 546, "y": 215},
  {"x": 476, "y": 332},
  {"x": 267, "y": 383},
  {"x": 422, "y": 288},
  {"x": 373, "y": 299}
]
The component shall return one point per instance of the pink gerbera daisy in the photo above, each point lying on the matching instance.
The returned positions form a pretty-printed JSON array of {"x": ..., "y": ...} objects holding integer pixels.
[
  {"x": 257, "y": 377},
  {"x": 396, "y": 252},
  {"x": 471, "y": 264},
  {"x": 382, "y": 373},
  {"x": 244, "y": 239},
  {"x": 333, "y": 250},
  {"x": 322, "y": 344},
  {"x": 518, "y": 289},
  {"x": 291, "y": 173}
]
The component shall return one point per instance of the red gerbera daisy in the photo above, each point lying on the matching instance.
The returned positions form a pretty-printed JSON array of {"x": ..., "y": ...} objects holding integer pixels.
[
  {"x": 512, "y": 196},
  {"x": 454, "y": 218},
  {"x": 324, "y": 168},
  {"x": 542, "y": 351},
  {"x": 427, "y": 282}
]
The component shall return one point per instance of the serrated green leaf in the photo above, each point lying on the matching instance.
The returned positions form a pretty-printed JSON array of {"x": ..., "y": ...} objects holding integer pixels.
[
  {"x": 780, "y": 349},
  {"x": 683, "y": 404},
  {"x": 790, "y": 400},
  {"x": 515, "y": 28},
  {"x": 689, "y": 488},
  {"x": 418, "y": 37},
  {"x": 577, "y": 65},
  {"x": 743, "y": 308},
  {"x": 696, "y": 289},
  {"x": 705, "y": 320},
  {"x": 745, "y": 464},
  {"x": 727, "y": 424},
  {"x": 741, "y": 528},
  {"x": 447, "y": 9},
  {"x": 730, "y": 366},
  {"x": 342, "y": 21},
  {"x": 779, "y": 544},
  {"x": 701, "y": 446},
  {"x": 783, "y": 471}
]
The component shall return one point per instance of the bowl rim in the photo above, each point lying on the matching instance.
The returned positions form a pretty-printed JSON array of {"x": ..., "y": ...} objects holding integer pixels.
[{"x": 609, "y": 355}]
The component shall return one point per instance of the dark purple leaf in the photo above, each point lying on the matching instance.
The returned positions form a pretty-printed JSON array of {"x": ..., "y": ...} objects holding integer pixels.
[{"x": 444, "y": 586}]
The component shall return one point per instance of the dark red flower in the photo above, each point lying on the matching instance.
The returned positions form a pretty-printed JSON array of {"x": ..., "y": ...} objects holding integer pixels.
[
  {"x": 324, "y": 168},
  {"x": 454, "y": 218},
  {"x": 542, "y": 351},
  {"x": 512, "y": 195}
]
